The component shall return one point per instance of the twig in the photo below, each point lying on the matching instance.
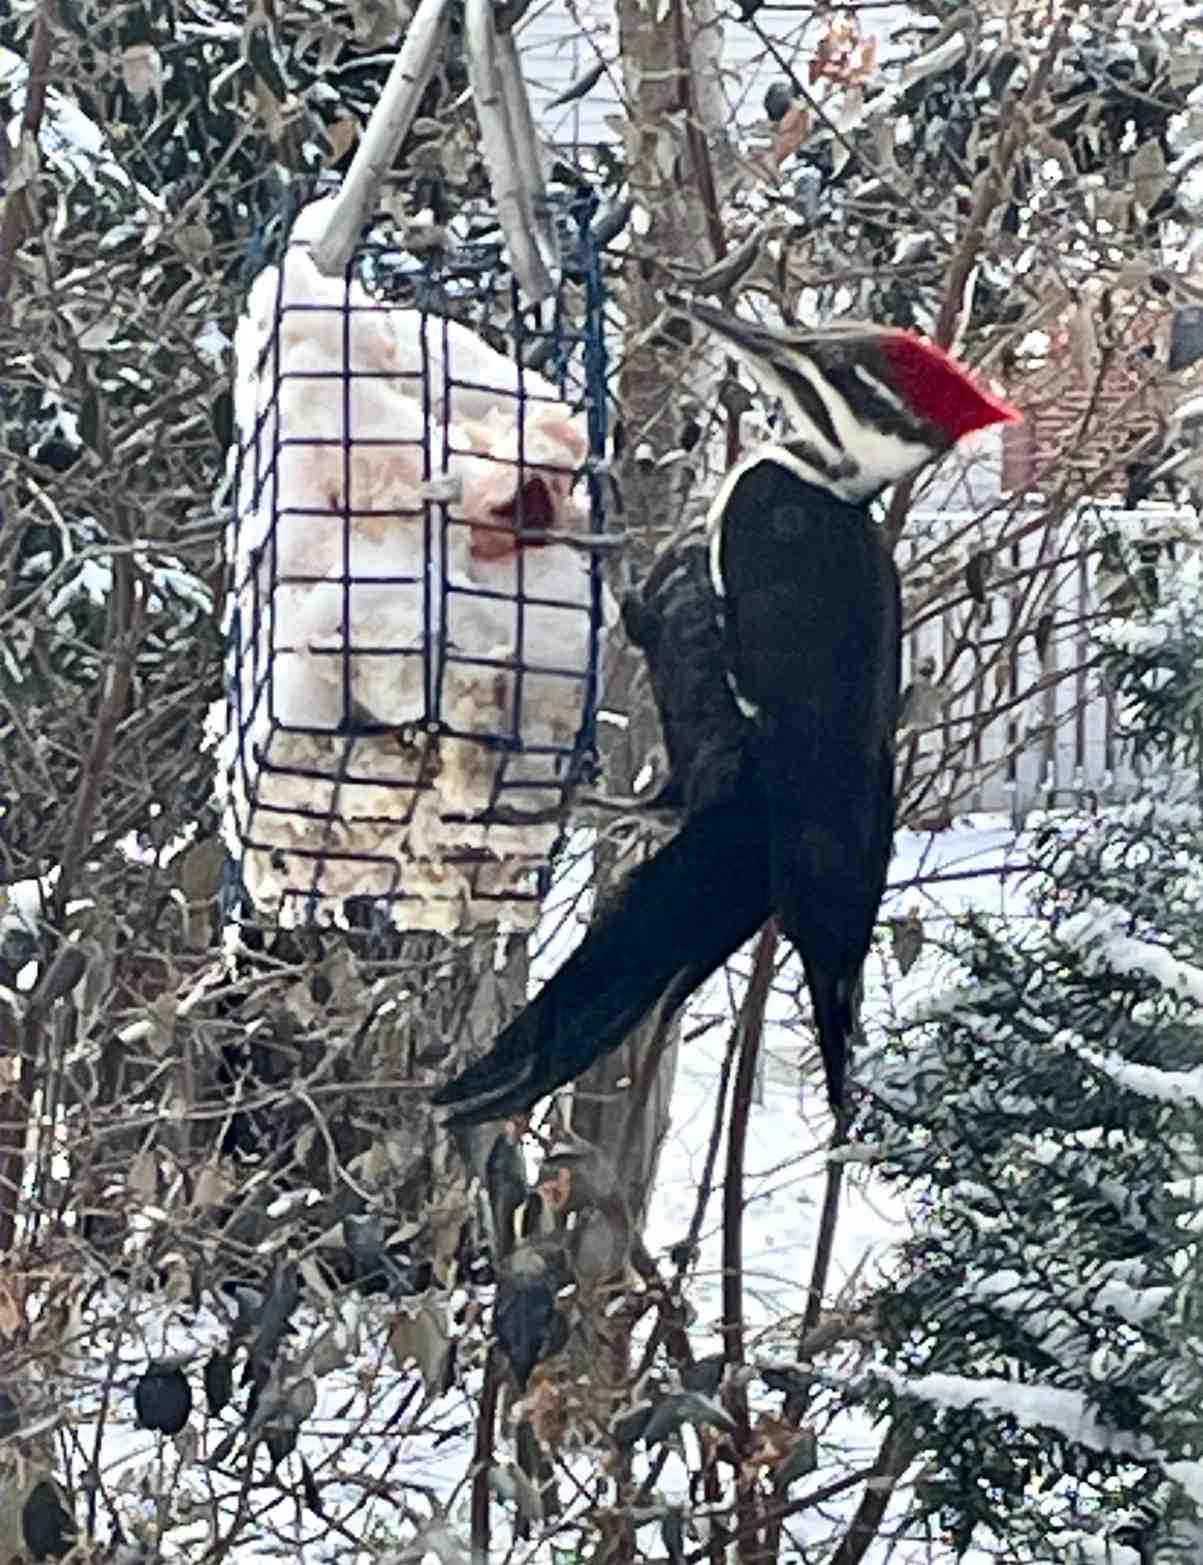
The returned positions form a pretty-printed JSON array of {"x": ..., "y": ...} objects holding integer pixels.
[
  {"x": 642, "y": 1086},
  {"x": 839, "y": 137},
  {"x": 897, "y": 1450},
  {"x": 113, "y": 706},
  {"x": 751, "y": 1030},
  {"x": 781, "y": 1511},
  {"x": 706, "y": 1183},
  {"x": 15, "y": 222},
  {"x": 996, "y": 870},
  {"x": 482, "y": 1456},
  {"x": 796, "y": 1402},
  {"x": 821, "y": 1265},
  {"x": 22, "y": 1042}
]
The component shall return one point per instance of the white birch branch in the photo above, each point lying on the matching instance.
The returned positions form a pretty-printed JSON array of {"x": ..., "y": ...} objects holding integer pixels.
[{"x": 391, "y": 119}]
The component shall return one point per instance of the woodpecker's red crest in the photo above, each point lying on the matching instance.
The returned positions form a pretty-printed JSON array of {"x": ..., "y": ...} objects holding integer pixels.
[{"x": 941, "y": 390}]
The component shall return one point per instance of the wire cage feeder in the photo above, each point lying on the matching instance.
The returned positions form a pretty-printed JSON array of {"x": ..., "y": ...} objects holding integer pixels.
[{"x": 415, "y": 611}]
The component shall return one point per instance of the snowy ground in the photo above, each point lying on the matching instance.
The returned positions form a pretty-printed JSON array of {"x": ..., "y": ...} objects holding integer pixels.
[{"x": 373, "y": 1480}]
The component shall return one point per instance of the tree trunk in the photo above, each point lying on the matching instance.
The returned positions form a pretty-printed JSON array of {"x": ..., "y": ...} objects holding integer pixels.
[{"x": 669, "y": 65}]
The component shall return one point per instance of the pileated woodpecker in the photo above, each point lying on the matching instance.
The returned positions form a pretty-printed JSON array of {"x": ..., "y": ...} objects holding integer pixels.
[{"x": 773, "y": 643}]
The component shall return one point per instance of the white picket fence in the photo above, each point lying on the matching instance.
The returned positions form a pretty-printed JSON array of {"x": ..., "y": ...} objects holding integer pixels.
[{"x": 1021, "y": 721}]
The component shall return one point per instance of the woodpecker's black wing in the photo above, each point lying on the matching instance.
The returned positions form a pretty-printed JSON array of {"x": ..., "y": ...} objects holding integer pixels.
[
  {"x": 690, "y": 907},
  {"x": 812, "y": 620},
  {"x": 674, "y": 621},
  {"x": 674, "y": 921}
]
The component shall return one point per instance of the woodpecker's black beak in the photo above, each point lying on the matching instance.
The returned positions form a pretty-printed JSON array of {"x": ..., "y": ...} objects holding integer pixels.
[
  {"x": 776, "y": 348},
  {"x": 774, "y": 357},
  {"x": 747, "y": 338}
]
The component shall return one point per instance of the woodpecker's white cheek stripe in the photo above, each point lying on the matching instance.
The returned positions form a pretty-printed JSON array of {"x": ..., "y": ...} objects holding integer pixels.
[
  {"x": 868, "y": 456},
  {"x": 831, "y": 400},
  {"x": 800, "y": 424},
  {"x": 879, "y": 458}
]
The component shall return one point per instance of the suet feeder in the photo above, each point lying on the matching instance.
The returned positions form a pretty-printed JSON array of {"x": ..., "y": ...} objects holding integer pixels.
[{"x": 414, "y": 592}]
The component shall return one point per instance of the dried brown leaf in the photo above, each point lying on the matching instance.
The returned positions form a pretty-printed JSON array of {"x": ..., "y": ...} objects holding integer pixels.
[
  {"x": 403, "y": 1339},
  {"x": 331, "y": 1351},
  {"x": 1150, "y": 179},
  {"x": 977, "y": 573},
  {"x": 342, "y": 134},
  {"x": 195, "y": 240},
  {"x": 907, "y": 939},
  {"x": 511, "y": 1483},
  {"x": 556, "y": 1188},
  {"x": 1083, "y": 343},
  {"x": 24, "y": 164},
  {"x": 447, "y": 1220},
  {"x": 142, "y": 70},
  {"x": 544, "y": 1409},
  {"x": 1042, "y": 633},
  {"x": 161, "y": 1014},
  {"x": 213, "y": 1185},
  {"x": 199, "y": 869},
  {"x": 423, "y": 1336},
  {"x": 790, "y": 133},
  {"x": 142, "y": 1177},
  {"x": 13, "y": 1290}
]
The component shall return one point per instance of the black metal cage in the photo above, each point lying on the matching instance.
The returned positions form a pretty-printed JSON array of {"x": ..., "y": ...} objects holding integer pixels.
[{"x": 415, "y": 607}]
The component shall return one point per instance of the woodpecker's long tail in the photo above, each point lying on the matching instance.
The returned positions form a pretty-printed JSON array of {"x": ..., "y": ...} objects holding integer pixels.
[
  {"x": 831, "y": 995},
  {"x": 676, "y": 920},
  {"x": 827, "y": 890}
]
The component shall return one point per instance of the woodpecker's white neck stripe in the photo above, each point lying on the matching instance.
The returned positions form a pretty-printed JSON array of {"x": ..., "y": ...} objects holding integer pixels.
[{"x": 749, "y": 708}]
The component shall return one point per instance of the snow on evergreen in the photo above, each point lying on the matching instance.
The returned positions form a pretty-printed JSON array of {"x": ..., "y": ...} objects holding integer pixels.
[{"x": 1040, "y": 1116}]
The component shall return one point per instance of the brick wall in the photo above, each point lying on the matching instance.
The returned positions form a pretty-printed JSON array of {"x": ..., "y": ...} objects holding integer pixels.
[{"x": 1087, "y": 424}]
